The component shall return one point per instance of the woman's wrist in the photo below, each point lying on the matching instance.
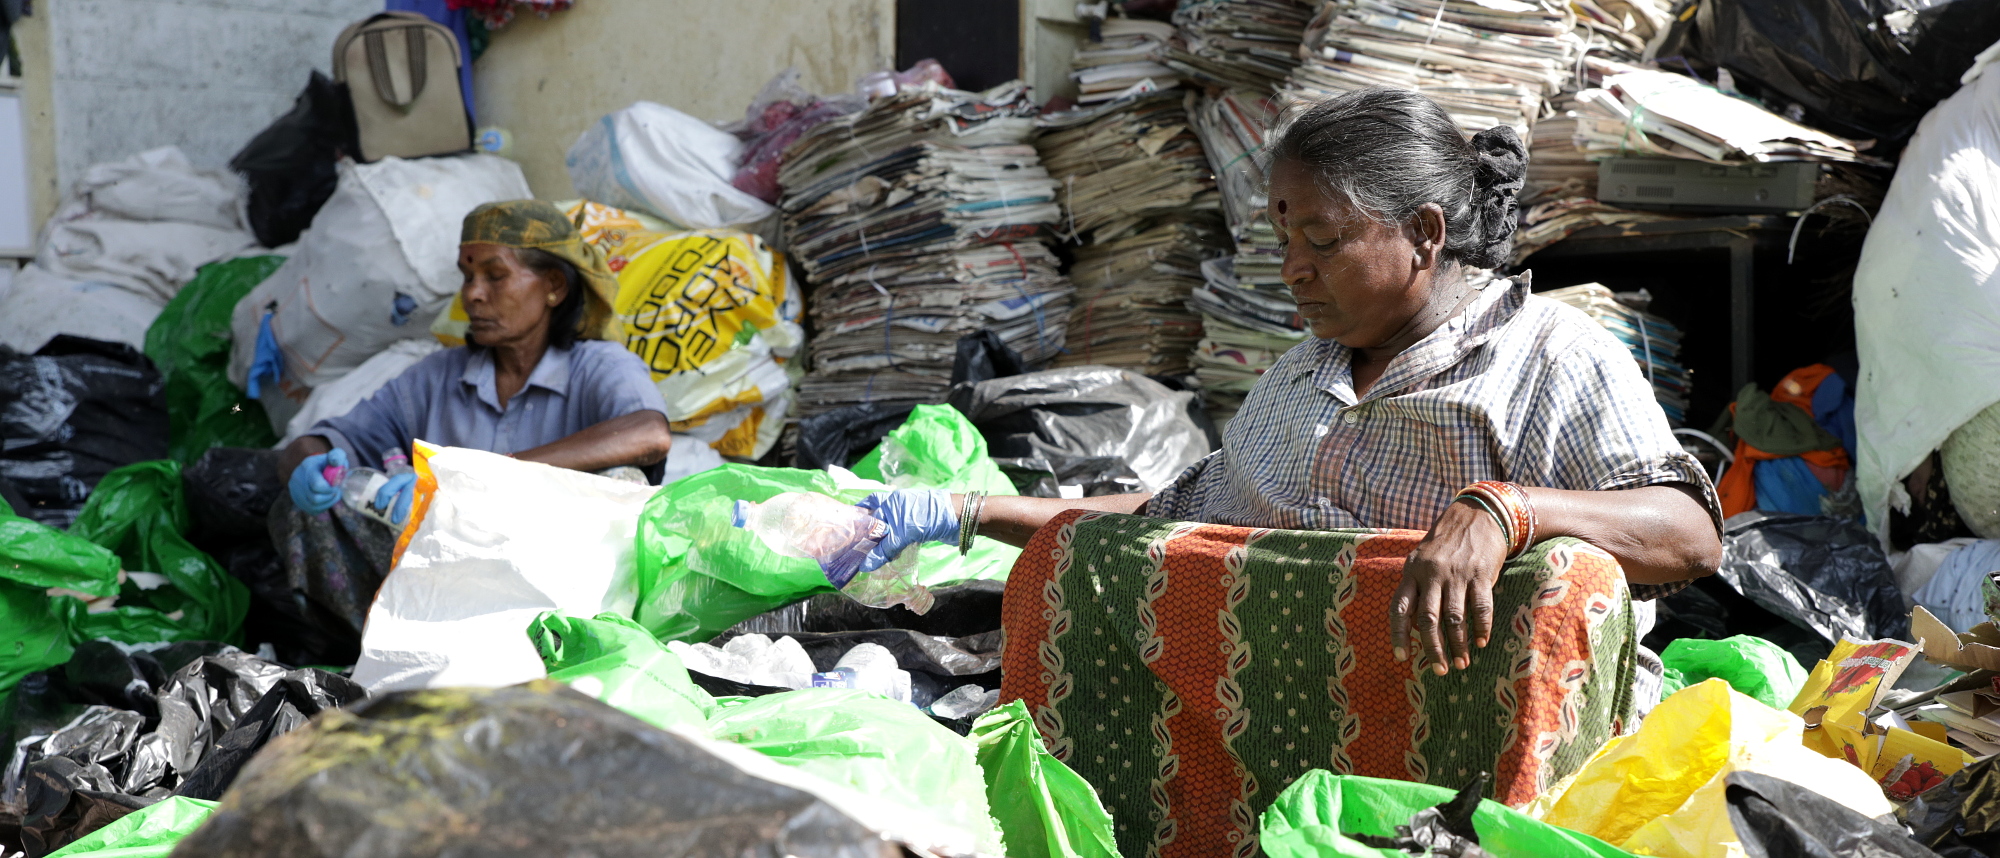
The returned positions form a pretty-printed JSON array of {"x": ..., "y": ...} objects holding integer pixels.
[{"x": 1510, "y": 508}]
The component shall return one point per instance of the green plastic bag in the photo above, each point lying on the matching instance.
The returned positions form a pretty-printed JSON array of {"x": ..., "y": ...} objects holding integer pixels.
[
  {"x": 617, "y": 661},
  {"x": 189, "y": 342},
  {"x": 149, "y": 832},
  {"x": 1755, "y": 667},
  {"x": 699, "y": 574},
  {"x": 139, "y": 512},
  {"x": 879, "y": 747},
  {"x": 34, "y": 558},
  {"x": 937, "y": 448},
  {"x": 1312, "y": 817},
  {"x": 1043, "y": 808}
]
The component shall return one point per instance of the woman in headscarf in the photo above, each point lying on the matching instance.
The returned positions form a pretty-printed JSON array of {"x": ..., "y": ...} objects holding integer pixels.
[{"x": 535, "y": 380}]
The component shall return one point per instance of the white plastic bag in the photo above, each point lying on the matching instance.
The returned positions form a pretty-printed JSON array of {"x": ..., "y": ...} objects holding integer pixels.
[
  {"x": 41, "y": 305},
  {"x": 390, "y": 229},
  {"x": 661, "y": 161},
  {"x": 144, "y": 224},
  {"x": 1927, "y": 294},
  {"x": 501, "y": 541},
  {"x": 338, "y": 397}
]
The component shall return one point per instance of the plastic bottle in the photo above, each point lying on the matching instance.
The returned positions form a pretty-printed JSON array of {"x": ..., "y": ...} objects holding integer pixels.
[
  {"x": 838, "y": 536},
  {"x": 359, "y": 484},
  {"x": 868, "y": 667}
]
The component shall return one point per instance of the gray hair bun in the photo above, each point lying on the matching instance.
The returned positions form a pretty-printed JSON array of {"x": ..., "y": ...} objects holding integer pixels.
[{"x": 1497, "y": 180}]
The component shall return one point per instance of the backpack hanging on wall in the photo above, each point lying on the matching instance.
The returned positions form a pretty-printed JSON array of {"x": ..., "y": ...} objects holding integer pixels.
[{"x": 401, "y": 70}]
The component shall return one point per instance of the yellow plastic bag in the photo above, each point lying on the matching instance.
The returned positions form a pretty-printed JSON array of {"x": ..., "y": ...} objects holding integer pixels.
[
  {"x": 1835, "y": 703},
  {"x": 1660, "y": 791}
]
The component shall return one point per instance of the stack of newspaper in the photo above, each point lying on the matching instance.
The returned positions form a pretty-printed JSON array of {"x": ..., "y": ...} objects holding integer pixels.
[
  {"x": 1486, "y": 62},
  {"x": 919, "y": 220},
  {"x": 1233, "y": 127},
  {"x": 1621, "y": 29},
  {"x": 1128, "y": 60},
  {"x": 1642, "y": 112},
  {"x": 1244, "y": 332},
  {"x": 1142, "y": 204},
  {"x": 1655, "y": 342},
  {"x": 1238, "y": 44}
]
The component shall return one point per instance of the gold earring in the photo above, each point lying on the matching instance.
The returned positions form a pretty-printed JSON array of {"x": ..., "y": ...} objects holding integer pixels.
[{"x": 553, "y": 300}]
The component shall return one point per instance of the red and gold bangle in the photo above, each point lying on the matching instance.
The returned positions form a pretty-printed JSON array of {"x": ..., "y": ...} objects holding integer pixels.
[{"x": 1509, "y": 503}]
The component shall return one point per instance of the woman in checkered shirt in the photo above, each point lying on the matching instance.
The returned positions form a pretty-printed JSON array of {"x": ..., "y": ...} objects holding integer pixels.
[{"x": 1416, "y": 385}]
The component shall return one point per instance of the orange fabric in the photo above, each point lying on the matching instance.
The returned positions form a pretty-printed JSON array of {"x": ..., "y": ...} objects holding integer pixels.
[
  {"x": 1799, "y": 386},
  {"x": 1738, "y": 488}
]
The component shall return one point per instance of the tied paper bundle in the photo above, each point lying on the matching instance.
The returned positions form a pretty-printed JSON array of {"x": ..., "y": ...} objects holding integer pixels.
[
  {"x": 1244, "y": 332},
  {"x": 1646, "y": 113},
  {"x": 1238, "y": 44},
  {"x": 1486, "y": 62},
  {"x": 1233, "y": 127},
  {"x": 1655, "y": 342},
  {"x": 919, "y": 220},
  {"x": 1127, "y": 60},
  {"x": 1143, "y": 206}
]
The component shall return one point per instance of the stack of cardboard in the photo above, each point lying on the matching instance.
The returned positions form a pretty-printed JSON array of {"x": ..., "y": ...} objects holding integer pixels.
[
  {"x": 919, "y": 220},
  {"x": 1142, "y": 204}
]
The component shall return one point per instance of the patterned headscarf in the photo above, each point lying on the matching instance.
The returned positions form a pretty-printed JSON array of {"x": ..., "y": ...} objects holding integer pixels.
[{"x": 538, "y": 225}]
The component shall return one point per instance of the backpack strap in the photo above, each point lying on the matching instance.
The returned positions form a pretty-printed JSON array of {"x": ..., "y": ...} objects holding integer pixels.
[{"x": 415, "y": 39}]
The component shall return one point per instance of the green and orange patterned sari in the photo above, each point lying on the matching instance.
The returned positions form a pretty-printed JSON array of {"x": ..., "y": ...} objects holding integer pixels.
[{"x": 1191, "y": 671}]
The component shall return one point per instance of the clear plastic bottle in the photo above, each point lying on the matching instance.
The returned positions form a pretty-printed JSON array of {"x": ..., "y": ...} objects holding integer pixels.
[
  {"x": 838, "y": 536},
  {"x": 359, "y": 484}
]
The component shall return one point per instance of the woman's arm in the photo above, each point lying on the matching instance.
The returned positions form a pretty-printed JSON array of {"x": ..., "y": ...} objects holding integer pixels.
[
  {"x": 299, "y": 450},
  {"x": 640, "y": 438},
  {"x": 1659, "y": 534},
  {"x": 1013, "y": 520}
]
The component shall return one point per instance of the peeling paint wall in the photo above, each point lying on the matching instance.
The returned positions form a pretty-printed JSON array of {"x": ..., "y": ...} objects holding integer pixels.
[
  {"x": 545, "y": 81},
  {"x": 124, "y": 76}
]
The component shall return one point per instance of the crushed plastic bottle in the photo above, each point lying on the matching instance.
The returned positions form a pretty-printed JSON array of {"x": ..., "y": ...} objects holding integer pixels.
[
  {"x": 965, "y": 701},
  {"x": 868, "y": 667},
  {"x": 359, "y": 484},
  {"x": 838, "y": 536}
]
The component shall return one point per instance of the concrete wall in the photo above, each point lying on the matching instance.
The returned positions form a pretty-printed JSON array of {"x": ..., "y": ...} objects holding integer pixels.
[
  {"x": 546, "y": 80},
  {"x": 117, "y": 77}
]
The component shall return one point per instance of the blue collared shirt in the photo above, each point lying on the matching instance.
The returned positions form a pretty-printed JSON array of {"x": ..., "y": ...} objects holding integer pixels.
[{"x": 450, "y": 398}]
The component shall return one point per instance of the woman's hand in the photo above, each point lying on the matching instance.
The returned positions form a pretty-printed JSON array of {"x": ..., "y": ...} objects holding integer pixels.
[
  {"x": 309, "y": 488},
  {"x": 914, "y": 517},
  {"x": 1448, "y": 586}
]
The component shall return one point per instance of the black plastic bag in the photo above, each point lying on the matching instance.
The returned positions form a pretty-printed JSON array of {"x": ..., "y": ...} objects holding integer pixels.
[
  {"x": 846, "y": 434},
  {"x": 297, "y": 697},
  {"x": 531, "y": 771},
  {"x": 1079, "y": 421},
  {"x": 68, "y": 800},
  {"x": 71, "y": 413},
  {"x": 1959, "y": 818},
  {"x": 1445, "y": 831},
  {"x": 1860, "y": 68},
  {"x": 1776, "y": 818},
  {"x": 291, "y": 165},
  {"x": 983, "y": 356},
  {"x": 958, "y": 610},
  {"x": 230, "y": 491},
  {"x": 1826, "y": 575}
]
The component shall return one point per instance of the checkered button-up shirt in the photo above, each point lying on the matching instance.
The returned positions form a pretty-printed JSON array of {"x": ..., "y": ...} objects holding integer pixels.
[{"x": 1516, "y": 388}]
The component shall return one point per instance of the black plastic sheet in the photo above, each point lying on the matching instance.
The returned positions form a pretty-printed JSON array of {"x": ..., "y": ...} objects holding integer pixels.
[
  {"x": 1445, "y": 831},
  {"x": 959, "y": 610},
  {"x": 846, "y": 434},
  {"x": 1826, "y": 575},
  {"x": 1960, "y": 818},
  {"x": 291, "y": 165},
  {"x": 1776, "y": 818},
  {"x": 1865, "y": 69},
  {"x": 71, "y": 413},
  {"x": 1111, "y": 431},
  {"x": 530, "y": 771}
]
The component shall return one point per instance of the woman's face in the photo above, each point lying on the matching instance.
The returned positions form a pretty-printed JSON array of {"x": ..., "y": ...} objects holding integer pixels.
[
  {"x": 506, "y": 302},
  {"x": 1356, "y": 281}
]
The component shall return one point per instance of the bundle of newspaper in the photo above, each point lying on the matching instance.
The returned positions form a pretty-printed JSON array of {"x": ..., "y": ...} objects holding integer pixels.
[
  {"x": 1127, "y": 59},
  {"x": 1245, "y": 329},
  {"x": 1486, "y": 62},
  {"x": 1622, "y": 28},
  {"x": 1238, "y": 44},
  {"x": 1233, "y": 127},
  {"x": 1143, "y": 206},
  {"x": 1642, "y": 113},
  {"x": 919, "y": 220},
  {"x": 1558, "y": 166},
  {"x": 1654, "y": 341}
]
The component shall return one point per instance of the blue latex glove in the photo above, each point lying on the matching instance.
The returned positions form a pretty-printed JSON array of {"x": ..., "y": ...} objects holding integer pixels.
[
  {"x": 914, "y": 517},
  {"x": 395, "y": 496},
  {"x": 310, "y": 490},
  {"x": 267, "y": 360}
]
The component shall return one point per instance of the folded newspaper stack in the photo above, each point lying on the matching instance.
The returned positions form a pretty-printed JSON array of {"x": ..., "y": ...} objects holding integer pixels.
[
  {"x": 1244, "y": 332},
  {"x": 1142, "y": 204},
  {"x": 1655, "y": 342},
  {"x": 1128, "y": 60},
  {"x": 919, "y": 220},
  {"x": 1646, "y": 113},
  {"x": 1486, "y": 62},
  {"x": 1621, "y": 29},
  {"x": 1232, "y": 127},
  {"x": 1241, "y": 44}
]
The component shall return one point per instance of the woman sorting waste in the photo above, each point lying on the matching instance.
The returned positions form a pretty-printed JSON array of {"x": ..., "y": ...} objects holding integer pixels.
[
  {"x": 1490, "y": 418},
  {"x": 535, "y": 380}
]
